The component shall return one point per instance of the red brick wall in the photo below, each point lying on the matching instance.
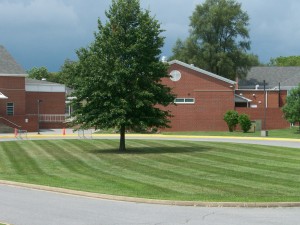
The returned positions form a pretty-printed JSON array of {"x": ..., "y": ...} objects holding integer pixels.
[
  {"x": 257, "y": 96},
  {"x": 14, "y": 89},
  {"x": 213, "y": 98},
  {"x": 52, "y": 103},
  {"x": 274, "y": 117},
  {"x": 7, "y": 82},
  {"x": 20, "y": 120},
  {"x": 45, "y": 125}
]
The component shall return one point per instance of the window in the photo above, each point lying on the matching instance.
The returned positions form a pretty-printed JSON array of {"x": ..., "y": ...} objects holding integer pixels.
[
  {"x": 184, "y": 100},
  {"x": 10, "y": 108},
  {"x": 175, "y": 75}
]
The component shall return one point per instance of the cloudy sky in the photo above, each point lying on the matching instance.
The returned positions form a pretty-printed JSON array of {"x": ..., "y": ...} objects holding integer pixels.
[{"x": 46, "y": 32}]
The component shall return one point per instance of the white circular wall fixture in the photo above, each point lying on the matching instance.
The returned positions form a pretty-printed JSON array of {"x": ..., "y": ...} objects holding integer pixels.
[{"x": 175, "y": 75}]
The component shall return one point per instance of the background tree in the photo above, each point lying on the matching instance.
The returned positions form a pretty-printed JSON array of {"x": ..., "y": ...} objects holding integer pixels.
[
  {"x": 219, "y": 39},
  {"x": 38, "y": 73},
  {"x": 291, "y": 109},
  {"x": 285, "y": 61},
  {"x": 231, "y": 117},
  {"x": 118, "y": 77}
]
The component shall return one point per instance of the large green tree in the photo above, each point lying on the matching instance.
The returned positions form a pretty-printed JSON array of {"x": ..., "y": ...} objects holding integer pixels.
[
  {"x": 67, "y": 73},
  {"x": 291, "y": 109},
  {"x": 118, "y": 77},
  {"x": 219, "y": 39}
]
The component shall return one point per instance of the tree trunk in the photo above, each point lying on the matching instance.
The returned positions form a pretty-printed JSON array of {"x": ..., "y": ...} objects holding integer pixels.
[{"x": 122, "y": 139}]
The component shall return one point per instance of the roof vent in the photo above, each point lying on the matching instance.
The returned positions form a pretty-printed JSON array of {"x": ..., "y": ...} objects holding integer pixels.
[{"x": 256, "y": 87}]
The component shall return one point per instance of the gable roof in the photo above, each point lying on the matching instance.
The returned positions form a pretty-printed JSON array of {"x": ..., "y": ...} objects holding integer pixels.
[
  {"x": 288, "y": 77},
  {"x": 8, "y": 66},
  {"x": 192, "y": 67}
]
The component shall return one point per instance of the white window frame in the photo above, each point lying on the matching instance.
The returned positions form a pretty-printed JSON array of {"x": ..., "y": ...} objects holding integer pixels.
[{"x": 185, "y": 101}]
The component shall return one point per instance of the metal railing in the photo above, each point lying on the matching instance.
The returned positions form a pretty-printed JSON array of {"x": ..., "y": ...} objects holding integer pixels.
[{"x": 53, "y": 118}]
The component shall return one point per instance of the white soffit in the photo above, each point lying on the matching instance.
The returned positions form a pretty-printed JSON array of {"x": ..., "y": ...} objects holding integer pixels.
[
  {"x": 239, "y": 98},
  {"x": 2, "y": 96}
]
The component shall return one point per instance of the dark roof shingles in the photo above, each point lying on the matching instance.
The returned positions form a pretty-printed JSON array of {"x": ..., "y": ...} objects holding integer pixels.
[
  {"x": 286, "y": 76},
  {"x": 7, "y": 63}
]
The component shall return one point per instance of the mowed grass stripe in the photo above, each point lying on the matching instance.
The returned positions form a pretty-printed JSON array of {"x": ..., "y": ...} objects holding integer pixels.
[
  {"x": 259, "y": 152},
  {"x": 158, "y": 179},
  {"x": 201, "y": 175},
  {"x": 244, "y": 162},
  {"x": 6, "y": 167},
  {"x": 289, "y": 153},
  {"x": 224, "y": 164},
  {"x": 250, "y": 167},
  {"x": 180, "y": 170},
  {"x": 71, "y": 160},
  {"x": 252, "y": 162},
  {"x": 238, "y": 158},
  {"x": 264, "y": 158},
  {"x": 18, "y": 156},
  {"x": 263, "y": 180},
  {"x": 184, "y": 172},
  {"x": 111, "y": 169},
  {"x": 235, "y": 180},
  {"x": 203, "y": 179},
  {"x": 149, "y": 175}
]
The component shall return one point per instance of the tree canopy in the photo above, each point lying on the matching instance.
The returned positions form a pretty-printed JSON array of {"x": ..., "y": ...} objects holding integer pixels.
[
  {"x": 285, "y": 61},
  {"x": 117, "y": 80},
  {"x": 219, "y": 39},
  {"x": 38, "y": 73},
  {"x": 291, "y": 109}
]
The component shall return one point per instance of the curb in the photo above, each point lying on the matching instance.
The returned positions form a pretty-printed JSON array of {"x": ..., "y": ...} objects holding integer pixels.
[
  {"x": 151, "y": 201},
  {"x": 43, "y": 136}
]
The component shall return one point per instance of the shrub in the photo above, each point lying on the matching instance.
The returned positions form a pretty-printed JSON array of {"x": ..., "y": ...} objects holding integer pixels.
[
  {"x": 245, "y": 122},
  {"x": 231, "y": 117}
]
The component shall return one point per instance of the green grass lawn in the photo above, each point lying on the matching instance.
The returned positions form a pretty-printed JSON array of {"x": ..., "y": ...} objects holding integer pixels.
[
  {"x": 177, "y": 170},
  {"x": 282, "y": 133}
]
